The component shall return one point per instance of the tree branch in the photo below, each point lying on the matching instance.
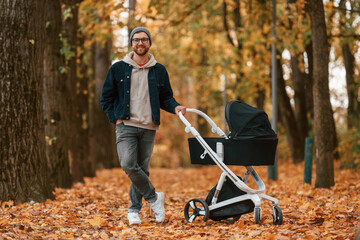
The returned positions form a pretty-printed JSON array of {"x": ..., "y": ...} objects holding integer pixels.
[
  {"x": 196, "y": 7},
  {"x": 347, "y": 10},
  {"x": 226, "y": 27},
  {"x": 237, "y": 20},
  {"x": 185, "y": 15},
  {"x": 355, "y": 36}
]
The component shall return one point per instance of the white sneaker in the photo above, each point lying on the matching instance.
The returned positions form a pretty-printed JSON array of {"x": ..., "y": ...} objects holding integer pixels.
[
  {"x": 159, "y": 207},
  {"x": 134, "y": 218}
]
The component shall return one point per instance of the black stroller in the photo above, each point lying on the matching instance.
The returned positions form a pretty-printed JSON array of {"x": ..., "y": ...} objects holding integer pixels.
[{"x": 251, "y": 142}]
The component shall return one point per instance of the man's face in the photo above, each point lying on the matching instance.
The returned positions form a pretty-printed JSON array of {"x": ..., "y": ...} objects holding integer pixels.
[{"x": 140, "y": 48}]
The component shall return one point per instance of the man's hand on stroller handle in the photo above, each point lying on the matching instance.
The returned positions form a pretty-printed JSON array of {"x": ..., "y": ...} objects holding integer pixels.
[{"x": 181, "y": 109}]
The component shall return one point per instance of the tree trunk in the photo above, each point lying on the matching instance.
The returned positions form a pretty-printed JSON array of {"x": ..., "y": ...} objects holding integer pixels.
[
  {"x": 309, "y": 83},
  {"x": 85, "y": 164},
  {"x": 323, "y": 119},
  {"x": 299, "y": 81},
  {"x": 202, "y": 125},
  {"x": 23, "y": 167},
  {"x": 353, "y": 111},
  {"x": 102, "y": 132},
  {"x": 70, "y": 29},
  {"x": 131, "y": 19},
  {"x": 54, "y": 100},
  {"x": 260, "y": 97},
  {"x": 287, "y": 118}
]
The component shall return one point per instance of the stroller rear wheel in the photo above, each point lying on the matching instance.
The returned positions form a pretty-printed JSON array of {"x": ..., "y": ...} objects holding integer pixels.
[
  {"x": 277, "y": 215},
  {"x": 196, "y": 207}
]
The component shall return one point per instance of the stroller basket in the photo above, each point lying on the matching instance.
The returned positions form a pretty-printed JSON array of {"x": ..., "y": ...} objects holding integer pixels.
[{"x": 242, "y": 152}]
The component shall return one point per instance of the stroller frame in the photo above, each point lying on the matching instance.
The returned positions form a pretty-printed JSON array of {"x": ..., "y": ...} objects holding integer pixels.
[{"x": 255, "y": 195}]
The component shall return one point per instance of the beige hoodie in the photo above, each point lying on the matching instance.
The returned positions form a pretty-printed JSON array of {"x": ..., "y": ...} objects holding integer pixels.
[{"x": 140, "y": 109}]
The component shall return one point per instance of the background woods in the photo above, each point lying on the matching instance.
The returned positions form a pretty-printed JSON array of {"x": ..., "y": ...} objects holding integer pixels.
[{"x": 55, "y": 56}]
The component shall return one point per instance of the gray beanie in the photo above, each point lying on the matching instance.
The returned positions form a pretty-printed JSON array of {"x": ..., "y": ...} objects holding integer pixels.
[{"x": 139, "y": 29}]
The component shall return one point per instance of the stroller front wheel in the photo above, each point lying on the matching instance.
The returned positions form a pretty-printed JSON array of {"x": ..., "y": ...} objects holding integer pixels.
[
  {"x": 196, "y": 207},
  {"x": 277, "y": 215}
]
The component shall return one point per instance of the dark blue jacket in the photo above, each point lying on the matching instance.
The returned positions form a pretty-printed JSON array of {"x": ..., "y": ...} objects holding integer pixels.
[{"x": 115, "y": 95}]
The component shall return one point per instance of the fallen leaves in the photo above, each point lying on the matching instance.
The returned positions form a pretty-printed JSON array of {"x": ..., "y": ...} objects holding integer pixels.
[
  {"x": 97, "y": 209},
  {"x": 96, "y": 221},
  {"x": 7, "y": 204}
]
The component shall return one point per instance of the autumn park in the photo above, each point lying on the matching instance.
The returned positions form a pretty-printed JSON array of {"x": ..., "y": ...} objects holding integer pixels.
[{"x": 269, "y": 146}]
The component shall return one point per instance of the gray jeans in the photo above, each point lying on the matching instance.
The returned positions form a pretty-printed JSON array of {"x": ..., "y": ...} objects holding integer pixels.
[{"x": 134, "y": 147}]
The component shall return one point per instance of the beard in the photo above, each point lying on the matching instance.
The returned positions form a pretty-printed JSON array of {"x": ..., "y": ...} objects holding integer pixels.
[{"x": 141, "y": 50}]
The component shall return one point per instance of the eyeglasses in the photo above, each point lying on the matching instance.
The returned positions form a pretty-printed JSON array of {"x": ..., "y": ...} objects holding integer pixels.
[{"x": 143, "y": 40}]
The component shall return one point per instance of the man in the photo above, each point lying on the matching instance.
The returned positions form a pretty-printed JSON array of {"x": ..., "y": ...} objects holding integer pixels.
[{"x": 133, "y": 92}]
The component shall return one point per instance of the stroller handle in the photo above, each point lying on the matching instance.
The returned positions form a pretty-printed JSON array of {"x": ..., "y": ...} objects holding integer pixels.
[{"x": 189, "y": 128}]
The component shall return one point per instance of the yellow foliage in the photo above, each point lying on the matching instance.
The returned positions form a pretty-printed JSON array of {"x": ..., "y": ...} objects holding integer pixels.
[{"x": 189, "y": 39}]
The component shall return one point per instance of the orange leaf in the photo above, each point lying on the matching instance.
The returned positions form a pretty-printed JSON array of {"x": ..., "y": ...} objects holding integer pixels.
[{"x": 96, "y": 221}]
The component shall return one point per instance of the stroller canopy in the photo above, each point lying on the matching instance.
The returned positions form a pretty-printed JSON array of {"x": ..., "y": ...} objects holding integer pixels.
[{"x": 246, "y": 121}]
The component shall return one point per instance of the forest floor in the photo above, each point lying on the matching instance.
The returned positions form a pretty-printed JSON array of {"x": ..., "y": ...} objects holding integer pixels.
[{"x": 97, "y": 208}]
